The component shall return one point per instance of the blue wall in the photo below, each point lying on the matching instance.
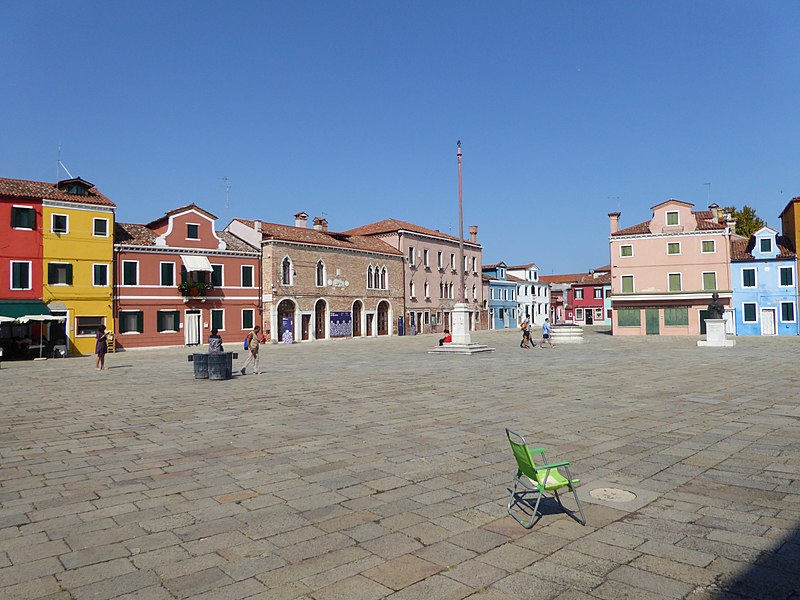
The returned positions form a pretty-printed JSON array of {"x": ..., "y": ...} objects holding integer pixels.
[{"x": 767, "y": 294}]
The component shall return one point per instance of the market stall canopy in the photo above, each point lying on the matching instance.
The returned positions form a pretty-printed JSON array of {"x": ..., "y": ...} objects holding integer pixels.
[
  {"x": 39, "y": 318},
  {"x": 6, "y": 319},
  {"x": 15, "y": 309},
  {"x": 194, "y": 262}
]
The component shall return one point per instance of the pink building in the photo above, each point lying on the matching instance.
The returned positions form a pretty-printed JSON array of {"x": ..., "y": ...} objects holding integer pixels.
[
  {"x": 177, "y": 278},
  {"x": 664, "y": 271}
]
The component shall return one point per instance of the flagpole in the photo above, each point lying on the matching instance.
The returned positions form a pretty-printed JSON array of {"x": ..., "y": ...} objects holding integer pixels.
[{"x": 462, "y": 294}]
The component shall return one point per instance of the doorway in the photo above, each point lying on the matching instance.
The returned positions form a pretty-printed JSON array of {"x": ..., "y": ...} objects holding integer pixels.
[
  {"x": 383, "y": 318},
  {"x": 768, "y": 321},
  {"x": 357, "y": 308},
  {"x": 305, "y": 327},
  {"x": 370, "y": 319},
  {"x": 319, "y": 320},
  {"x": 191, "y": 328},
  {"x": 589, "y": 320},
  {"x": 285, "y": 320},
  {"x": 651, "y": 321}
]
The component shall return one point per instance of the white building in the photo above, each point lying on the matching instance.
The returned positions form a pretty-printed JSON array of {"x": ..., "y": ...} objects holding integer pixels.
[{"x": 533, "y": 296}]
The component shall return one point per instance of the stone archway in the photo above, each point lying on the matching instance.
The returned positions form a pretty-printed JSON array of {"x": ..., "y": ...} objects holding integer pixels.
[
  {"x": 383, "y": 318},
  {"x": 319, "y": 320},
  {"x": 358, "y": 309},
  {"x": 286, "y": 310}
]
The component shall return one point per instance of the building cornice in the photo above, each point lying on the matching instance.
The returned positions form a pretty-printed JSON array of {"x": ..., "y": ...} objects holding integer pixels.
[
  {"x": 166, "y": 250},
  {"x": 698, "y": 232},
  {"x": 307, "y": 246},
  {"x": 676, "y": 296},
  {"x": 76, "y": 205}
]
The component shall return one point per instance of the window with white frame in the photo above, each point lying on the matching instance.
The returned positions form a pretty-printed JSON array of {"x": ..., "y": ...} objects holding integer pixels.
[
  {"x": 579, "y": 314},
  {"x": 320, "y": 278},
  {"x": 59, "y": 223},
  {"x": 192, "y": 231},
  {"x": 217, "y": 279},
  {"x": 474, "y": 264},
  {"x": 598, "y": 293},
  {"x": 626, "y": 250},
  {"x": 130, "y": 272},
  {"x": 100, "y": 227},
  {"x": 384, "y": 279},
  {"x": 131, "y": 321},
  {"x": 287, "y": 271},
  {"x": 427, "y": 290},
  {"x": 765, "y": 244},
  {"x": 627, "y": 284},
  {"x": 452, "y": 261},
  {"x": 167, "y": 273},
  {"x": 411, "y": 258},
  {"x": 370, "y": 278},
  {"x": 474, "y": 293},
  {"x": 673, "y": 247},
  {"x": 426, "y": 258},
  {"x": 749, "y": 278},
  {"x": 674, "y": 282},
  {"x": 787, "y": 312},
  {"x": 169, "y": 321},
  {"x": 708, "y": 246},
  {"x": 786, "y": 277},
  {"x": 20, "y": 275},
  {"x": 218, "y": 318},
  {"x": 598, "y": 313},
  {"x": 673, "y": 217},
  {"x": 578, "y": 293},
  {"x": 59, "y": 273},
  {"x": 248, "y": 318},
  {"x": 749, "y": 312},
  {"x": 23, "y": 217},
  {"x": 100, "y": 275},
  {"x": 248, "y": 280},
  {"x": 440, "y": 259},
  {"x": 709, "y": 280},
  {"x": 412, "y": 291},
  {"x": 88, "y": 326}
]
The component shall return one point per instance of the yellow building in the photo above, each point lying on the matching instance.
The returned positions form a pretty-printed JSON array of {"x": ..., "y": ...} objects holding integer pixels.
[
  {"x": 790, "y": 226},
  {"x": 78, "y": 258}
]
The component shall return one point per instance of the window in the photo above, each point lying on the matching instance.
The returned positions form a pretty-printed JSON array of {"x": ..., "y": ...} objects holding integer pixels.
[
  {"x": 20, "y": 275},
  {"x": 370, "y": 278},
  {"x": 130, "y": 272},
  {"x": 131, "y": 321},
  {"x": 167, "y": 273},
  {"x": 248, "y": 318},
  {"x": 626, "y": 250},
  {"x": 598, "y": 293},
  {"x": 426, "y": 258},
  {"x": 88, "y": 326},
  {"x": 216, "y": 275},
  {"x": 217, "y": 319},
  {"x": 411, "y": 258},
  {"x": 320, "y": 273},
  {"x": 384, "y": 285},
  {"x": 287, "y": 271},
  {"x": 787, "y": 276},
  {"x": 453, "y": 261},
  {"x": 674, "y": 248},
  {"x": 674, "y": 280},
  {"x": 749, "y": 309},
  {"x": 59, "y": 274},
  {"x": 100, "y": 275},
  {"x": 708, "y": 246},
  {"x": 247, "y": 276},
  {"x": 579, "y": 294},
  {"x": 192, "y": 231},
  {"x": 579, "y": 314},
  {"x": 100, "y": 227},
  {"x": 765, "y": 244},
  {"x": 787, "y": 312},
  {"x": 629, "y": 317},
  {"x": 474, "y": 293},
  {"x": 427, "y": 290},
  {"x": 23, "y": 217},
  {"x": 169, "y": 321},
  {"x": 676, "y": 316},
  {"x": 59, "y": 223},
  {"x": 748, "y": 278},
  {"x": 412, "y": 290},
  {"x": 627, "y": 284},
  {"x": 709, "y": 281},
  {"x": 440, "y": 259},
  {"x": 672, "y": 218},
  {"x": 598, "y": 313},
  {"x": 474, "y": 265}
]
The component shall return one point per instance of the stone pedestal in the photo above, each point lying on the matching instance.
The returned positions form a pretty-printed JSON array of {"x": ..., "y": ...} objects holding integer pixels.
[
  {"x": 715, "y": 334},
  {"x": 459, "y": 329}
]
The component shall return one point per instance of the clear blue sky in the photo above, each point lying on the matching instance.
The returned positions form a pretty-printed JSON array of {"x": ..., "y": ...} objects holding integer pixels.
[{"x": 566, "y": 111}]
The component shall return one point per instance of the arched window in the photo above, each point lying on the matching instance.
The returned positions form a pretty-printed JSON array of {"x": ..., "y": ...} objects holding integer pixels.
[
  {"x": 320, "y": 273},
  {"x": 427, "y": 290},
  {"x": 287, "y": 272},
  {"x": 474, "y": 293},
  {"x": 412, "y": 290},
  {"x": 370, "y": 278},
  {"x": 384, "y": 285}
]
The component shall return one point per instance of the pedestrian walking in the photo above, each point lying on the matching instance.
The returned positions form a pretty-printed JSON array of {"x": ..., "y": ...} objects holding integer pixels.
[
  {"x": 253, "y": 339},
  {"x": 546, "y": 333},
  {"x": 526, "y": 334},
  {"x": 101, "y": 347}
]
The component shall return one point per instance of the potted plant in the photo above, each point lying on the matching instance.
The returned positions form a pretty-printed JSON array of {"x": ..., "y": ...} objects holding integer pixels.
[{"x": 194, "y": 288}]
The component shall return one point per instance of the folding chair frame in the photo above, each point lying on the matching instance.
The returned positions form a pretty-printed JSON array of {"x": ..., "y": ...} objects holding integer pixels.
[{"x": 518, "y": 498}]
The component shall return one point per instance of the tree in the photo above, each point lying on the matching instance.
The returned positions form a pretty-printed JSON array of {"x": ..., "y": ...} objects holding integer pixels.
[{"x": 747, "y": 221}]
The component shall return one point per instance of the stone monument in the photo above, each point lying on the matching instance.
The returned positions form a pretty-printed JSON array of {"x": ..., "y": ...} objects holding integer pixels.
[{"x": 715, "y": 325}]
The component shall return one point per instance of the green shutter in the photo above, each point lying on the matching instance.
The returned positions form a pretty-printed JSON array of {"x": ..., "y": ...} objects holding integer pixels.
[
  {"x": 184, "y": 274},
  {"x": 216, "y": 275},
  {"x": 69, "y": 274},
  {"x": 709, "y": 281},
  {"x": 629, "y": 317},
  {"x": 140, "y": 322},
  {"x": 676, "y": 316}
]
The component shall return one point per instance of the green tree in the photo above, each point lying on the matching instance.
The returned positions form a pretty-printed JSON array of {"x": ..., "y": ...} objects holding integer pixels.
[{"x": 747, "y": 221}]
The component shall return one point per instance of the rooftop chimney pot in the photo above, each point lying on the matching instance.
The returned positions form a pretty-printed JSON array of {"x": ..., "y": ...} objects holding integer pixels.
[
  {"x": 473, "y": 234},
  {"x": 613, "y": 218}
]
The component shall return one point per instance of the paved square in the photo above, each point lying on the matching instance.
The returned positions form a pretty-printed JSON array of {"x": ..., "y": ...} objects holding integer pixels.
[{"x": 371, "y": 469}]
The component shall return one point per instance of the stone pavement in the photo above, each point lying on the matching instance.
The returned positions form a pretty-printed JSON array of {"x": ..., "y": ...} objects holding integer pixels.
[{"x": 367, "y": 469}]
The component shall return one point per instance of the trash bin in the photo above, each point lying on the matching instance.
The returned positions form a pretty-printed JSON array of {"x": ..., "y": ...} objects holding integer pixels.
[
  {"x": 220, "y": 365},
  {"x": 200, "y": 365}
]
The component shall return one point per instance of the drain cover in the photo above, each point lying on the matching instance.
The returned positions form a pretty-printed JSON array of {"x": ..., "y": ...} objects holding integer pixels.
[{"x": 612, "y": 495}]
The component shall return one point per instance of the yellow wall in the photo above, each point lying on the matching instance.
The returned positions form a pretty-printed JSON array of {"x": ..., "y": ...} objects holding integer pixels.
[
  {"x": 790, "y": 223},
  {"x": 82, "y": 249}
]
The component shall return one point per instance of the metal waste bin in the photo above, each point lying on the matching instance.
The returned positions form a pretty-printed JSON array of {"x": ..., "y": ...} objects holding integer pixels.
[
  {"x": 200, "y": 365},
  {"x": 220, "y": 365}
]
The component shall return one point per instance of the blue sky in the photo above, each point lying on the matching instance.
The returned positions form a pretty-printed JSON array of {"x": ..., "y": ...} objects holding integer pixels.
[{"x": 566, "y": 111}]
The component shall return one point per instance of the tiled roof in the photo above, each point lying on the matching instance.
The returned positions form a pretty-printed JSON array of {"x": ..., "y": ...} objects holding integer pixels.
[
  {"x": 567, "y": 278},
  {"x": 38, "y": 190},
  {"x": 590, "y": 279},
  {"x": 518, "y": 267},
  {"x": 741, "y": 248},
  {"x": 705, "y": 221},
  {"x": 178, "y": 210},
  {"x": 392, "y": 225},
  {"x": 132, "y": 234},
  {"x": 494, "y": 266},
  {"x": 305, "y": 235}
]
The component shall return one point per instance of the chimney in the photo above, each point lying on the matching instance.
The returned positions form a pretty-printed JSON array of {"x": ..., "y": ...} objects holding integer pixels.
[
  {"x": 324, "y": 223},
  {"x": 318, "y": 223},
  {"x": 473, "y": 234},
  {"x": 614, "y": 221},
  {"x": 257, "y": 226},
  {"x": 714, "y": 208},
  {"x": 301, "y": 220}
]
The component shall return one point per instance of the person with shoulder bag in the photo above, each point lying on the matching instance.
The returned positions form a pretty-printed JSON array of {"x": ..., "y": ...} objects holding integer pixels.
[{"x": 253, "y": 341}]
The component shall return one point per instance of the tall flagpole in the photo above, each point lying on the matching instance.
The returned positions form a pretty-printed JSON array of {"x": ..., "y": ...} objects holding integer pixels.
[{"x": 462, "y": 294}]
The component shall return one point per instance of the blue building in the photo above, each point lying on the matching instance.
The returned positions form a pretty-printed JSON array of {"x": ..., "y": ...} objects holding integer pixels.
[
  {"x": 502, "y": 297},
  {"x": 764, "y": 282}
]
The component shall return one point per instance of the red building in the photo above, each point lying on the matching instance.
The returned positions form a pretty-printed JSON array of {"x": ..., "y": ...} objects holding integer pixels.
[
  {"x": 561, "y": 297},
  {"x": 588, "y": 298},
  {"x": 177, "y": 278},
  {"x": 21, "y": 245}
]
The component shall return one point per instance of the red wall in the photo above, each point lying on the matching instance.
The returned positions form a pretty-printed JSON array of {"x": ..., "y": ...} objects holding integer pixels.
[{"x": 20, "y": 244}]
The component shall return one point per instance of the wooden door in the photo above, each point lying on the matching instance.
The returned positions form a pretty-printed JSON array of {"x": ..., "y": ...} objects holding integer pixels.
[
  {"x": 651, "y": 321},
  {"x": 768, "y": 321},
  {"x": 357, "y": 318},
  {"x": 319, "y": 320},
  {"x": 306, "y": 326},
  {"x": 383, "y": 319}
]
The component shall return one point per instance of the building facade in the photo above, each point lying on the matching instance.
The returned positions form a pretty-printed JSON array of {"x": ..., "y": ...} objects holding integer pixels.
[
  {"x": 177, "y": 278},
  {"x": 562, "y": 309},
  {"x": 665, "y": 270},
  {"x": 533, "y": 295},
  {"x": 321, "y": 285},
  {"x": 502, "y": 297},
  {"x": 790, "y": 226},
  {"x": 432, "y": 272},
  {"x": 589, "y": 299},
  {"x": 764, "y": 278}
]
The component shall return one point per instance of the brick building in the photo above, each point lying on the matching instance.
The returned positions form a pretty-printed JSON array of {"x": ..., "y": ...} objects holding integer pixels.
[{"x": 319, "y": 284}]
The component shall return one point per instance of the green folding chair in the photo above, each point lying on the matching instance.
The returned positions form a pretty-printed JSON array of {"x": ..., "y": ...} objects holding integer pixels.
[{"x": 537, "y": 479}]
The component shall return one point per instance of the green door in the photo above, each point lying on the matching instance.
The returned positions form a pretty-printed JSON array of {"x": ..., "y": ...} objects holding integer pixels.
[
  {"x": 651, "y": 320},
  {"x": 703, "y": 316}
]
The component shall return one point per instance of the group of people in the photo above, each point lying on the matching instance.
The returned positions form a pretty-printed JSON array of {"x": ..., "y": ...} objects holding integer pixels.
[{"x": 526, "y": 335}]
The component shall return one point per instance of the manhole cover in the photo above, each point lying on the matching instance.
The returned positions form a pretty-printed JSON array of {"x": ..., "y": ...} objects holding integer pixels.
[{"x": 612, "y": 495}]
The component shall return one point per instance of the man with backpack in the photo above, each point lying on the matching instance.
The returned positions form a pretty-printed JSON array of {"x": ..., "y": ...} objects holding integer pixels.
[{"x": 251, "y": 343}]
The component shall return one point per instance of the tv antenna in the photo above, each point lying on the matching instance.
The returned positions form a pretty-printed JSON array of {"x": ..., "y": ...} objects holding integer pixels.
[
  {"x": 227, "y": 189},
  {"x": 709, "y": 193},
  {"x": 60, "y": 165}
]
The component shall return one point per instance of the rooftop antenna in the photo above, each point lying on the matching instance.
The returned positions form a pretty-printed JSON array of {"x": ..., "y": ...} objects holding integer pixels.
[
  {"x": 709, "y": 193},
  {"x": 227, "y": 189},
  {"x": 60, "y": 165}
]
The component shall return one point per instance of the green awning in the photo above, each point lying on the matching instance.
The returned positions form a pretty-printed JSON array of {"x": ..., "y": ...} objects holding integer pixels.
[{"x": 20, "y": 308}]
